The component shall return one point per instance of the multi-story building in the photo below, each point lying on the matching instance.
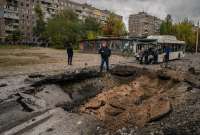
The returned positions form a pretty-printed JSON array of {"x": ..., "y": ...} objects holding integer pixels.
[
  {"x": 20, "y": 15},
  {"x": 9, "y": 17},
  {"x": 143, "y": 24}
]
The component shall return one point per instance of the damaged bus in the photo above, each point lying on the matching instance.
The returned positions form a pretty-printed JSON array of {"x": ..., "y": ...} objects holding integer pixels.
[{"x": 153, "y": 48}]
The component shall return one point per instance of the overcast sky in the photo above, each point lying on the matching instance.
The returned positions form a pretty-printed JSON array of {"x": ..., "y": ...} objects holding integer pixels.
[{"x": 179, "y": 9}]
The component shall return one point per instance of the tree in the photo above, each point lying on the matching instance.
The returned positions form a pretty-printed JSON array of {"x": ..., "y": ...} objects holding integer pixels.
[
  {"x": 16, "y": 36},
  {"x": 91, "y": 24},
  {"x": 91, "y": 28},
  {"x": 184, "y": 31},
  {"x": 167, "y": 26},
  {"x": 64, "y": 27},
  {"x": 114, "y": 26},
  {"x": 39, "y": 28}
]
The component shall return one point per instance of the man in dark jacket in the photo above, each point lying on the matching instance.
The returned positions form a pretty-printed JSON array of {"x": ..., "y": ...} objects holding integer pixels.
[
  {"x": 70, "y": 53},
  {"x": 105, "y": 55},
  {"x": 167, "y": 51}
]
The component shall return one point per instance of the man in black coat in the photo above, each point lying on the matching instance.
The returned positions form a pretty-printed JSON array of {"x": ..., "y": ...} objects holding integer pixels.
[
  {"x": 105, "y": 55},
  {"x": 70, "y": 53}
]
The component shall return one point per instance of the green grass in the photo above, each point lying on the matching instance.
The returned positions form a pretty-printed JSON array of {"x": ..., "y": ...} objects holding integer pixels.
[{"x": 14, "y": 46}]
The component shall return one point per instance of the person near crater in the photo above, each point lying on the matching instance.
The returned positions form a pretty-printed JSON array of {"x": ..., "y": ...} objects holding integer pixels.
[
  {"x": 105, "y": 53},
  {"x": 70, "y": 52}
]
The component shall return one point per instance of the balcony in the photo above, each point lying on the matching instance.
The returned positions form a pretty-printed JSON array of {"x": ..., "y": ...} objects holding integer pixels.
[
  {"x": 10, "y": 28},
  {"x": 52, "y": 7},
  {"x": 48, "y": 2},
  {"x": 11, "y": 16},
  {"x": 15, "y": 24},
  {"x": 11, "y": 9}
]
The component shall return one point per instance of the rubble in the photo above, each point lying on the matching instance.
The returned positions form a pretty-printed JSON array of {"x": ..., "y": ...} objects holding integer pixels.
[
  {"x": 53, "y": 95},
  {"x": 76, "y": 75},
  {"x": 192, "y": 70},
  {"x": 193, "y": 80}
]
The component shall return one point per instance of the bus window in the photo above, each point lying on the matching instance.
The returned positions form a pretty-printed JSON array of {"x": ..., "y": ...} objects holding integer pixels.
[
  {"x": 180, "y": 48},
  {"x": 160, "y": 51},
  {"x": 175, "y": 47},
  {"x": 172, "y": 46}
]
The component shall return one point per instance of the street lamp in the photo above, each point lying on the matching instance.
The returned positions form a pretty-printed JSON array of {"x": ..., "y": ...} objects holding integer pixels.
[{"x": 197, "y": 38}]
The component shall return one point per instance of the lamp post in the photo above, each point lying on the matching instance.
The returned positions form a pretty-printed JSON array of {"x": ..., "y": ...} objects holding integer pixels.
[{"x": 197, "y": 39}]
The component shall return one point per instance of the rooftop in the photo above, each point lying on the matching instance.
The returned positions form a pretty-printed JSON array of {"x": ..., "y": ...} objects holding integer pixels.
[{"x": 166, "y": 39}]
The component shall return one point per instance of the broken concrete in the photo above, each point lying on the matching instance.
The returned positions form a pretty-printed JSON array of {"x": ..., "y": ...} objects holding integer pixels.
[
  {"x": 32, "y": 103},
  {"x": 13, "y": 114},
  {"x": 53, "y": 95},
  {"x": 55, "y": 121},
  {"x": 64, "y": 123},
  {"x": 77, "y": 75}
]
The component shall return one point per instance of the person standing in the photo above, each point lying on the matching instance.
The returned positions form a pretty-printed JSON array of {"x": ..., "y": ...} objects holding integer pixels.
[
  {"x": 167, "y": 51},
  {"x": 146, "y": 56},
  {"x": 155, "y": 56},
  {"x": 105, "y": 53},
  {"x": 141, "y": 55},
  {"x": 70, "y": 53}
]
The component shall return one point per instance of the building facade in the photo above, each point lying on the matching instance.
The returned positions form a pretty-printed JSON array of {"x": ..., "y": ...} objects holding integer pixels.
[
  {"x": 9, "y": 17},
  {"x": 19, "y": 15},
  {"x": 143, "y": 24}
]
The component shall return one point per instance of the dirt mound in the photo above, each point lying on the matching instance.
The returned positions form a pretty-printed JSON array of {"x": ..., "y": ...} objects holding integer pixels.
[{"x": 141, "y": 101}]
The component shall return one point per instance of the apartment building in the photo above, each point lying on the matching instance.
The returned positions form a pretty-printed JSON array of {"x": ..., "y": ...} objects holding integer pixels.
[
  {"x": 143, "y": 24},
  {"x": 9, "y": 17},
  {"x": 20, "y": 15}
]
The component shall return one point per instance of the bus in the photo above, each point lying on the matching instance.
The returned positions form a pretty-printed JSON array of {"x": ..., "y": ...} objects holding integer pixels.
[{"x": 154, "y": 46}]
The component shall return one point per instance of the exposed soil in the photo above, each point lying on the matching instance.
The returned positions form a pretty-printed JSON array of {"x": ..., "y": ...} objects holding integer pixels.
[{"x": 141, "y": 101}]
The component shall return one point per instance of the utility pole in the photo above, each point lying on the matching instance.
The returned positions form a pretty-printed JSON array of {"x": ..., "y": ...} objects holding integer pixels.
[{"x": 197, "y": 39}]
